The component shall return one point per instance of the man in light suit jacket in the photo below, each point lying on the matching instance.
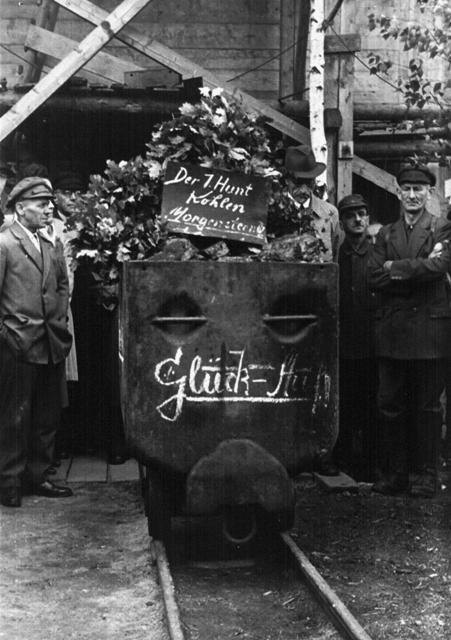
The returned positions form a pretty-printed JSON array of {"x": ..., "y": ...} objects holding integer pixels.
[
  {"x": 34, "y": 342},
  {"x": 302, "y": 169},
  {"x": 408, "y": 268}
]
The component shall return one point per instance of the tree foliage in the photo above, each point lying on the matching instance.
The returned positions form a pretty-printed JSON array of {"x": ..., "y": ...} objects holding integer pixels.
[{"x": 428, "y": 38}]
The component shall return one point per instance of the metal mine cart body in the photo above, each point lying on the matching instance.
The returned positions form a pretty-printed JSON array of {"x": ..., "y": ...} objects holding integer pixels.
[{"x": 229, "y": 382}]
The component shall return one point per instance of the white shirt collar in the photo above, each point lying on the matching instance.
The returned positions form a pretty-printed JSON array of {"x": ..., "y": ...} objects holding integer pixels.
[{"x": 32, "y": 236}]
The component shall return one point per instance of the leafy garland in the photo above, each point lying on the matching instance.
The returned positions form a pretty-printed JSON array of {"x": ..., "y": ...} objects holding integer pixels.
[{"x": 118, "y": 219}]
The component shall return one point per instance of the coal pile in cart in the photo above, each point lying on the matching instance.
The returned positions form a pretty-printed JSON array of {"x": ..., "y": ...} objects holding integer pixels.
[{"x": 227, "y": 317}]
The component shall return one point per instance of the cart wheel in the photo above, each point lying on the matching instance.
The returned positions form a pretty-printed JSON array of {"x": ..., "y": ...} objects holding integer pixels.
[{"x": 156, "y": 508}]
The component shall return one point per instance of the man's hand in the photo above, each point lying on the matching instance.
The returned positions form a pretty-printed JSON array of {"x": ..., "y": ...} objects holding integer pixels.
[
  {"x": 387, "y": 265},
  {"x": 436, "y": 251}
]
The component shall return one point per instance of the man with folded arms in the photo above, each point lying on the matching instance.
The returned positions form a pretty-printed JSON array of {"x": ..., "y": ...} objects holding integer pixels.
[
  {"x": 34, "y": 342},
  {"x": 408, "y": 268}
]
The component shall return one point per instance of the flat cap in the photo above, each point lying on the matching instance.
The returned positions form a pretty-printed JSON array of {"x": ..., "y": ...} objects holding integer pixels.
[
  {"x": 353, "y": 201},
  {"x": 416, "y": 175},
  {"x": 30, "y": 188},
  {"x": 69, "y": 181}
]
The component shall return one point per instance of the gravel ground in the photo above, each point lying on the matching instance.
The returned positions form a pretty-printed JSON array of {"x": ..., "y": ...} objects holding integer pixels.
[{"x": 80, "y": 568}]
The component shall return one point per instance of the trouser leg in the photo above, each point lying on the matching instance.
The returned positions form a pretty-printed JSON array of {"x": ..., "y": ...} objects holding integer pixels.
[
  {"x": 428, "y": 378},
  {"x": 392, "y": 400},
  {"x": 356, "y": 445},
  {"x": 447, "y": 434},
  {"x": 46, "y": 411},
  {"x": 15, "y": 415}
]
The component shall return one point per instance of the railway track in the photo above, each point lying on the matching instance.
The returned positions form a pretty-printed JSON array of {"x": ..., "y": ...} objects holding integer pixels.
[{"x": 336, "y": 611}]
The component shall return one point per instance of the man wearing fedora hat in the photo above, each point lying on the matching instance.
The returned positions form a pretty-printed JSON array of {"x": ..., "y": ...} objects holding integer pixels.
[
  {"x": 302, "y": 169},
  {"x": 34, "y": 342},
  {"x": 408, "y": 268}
]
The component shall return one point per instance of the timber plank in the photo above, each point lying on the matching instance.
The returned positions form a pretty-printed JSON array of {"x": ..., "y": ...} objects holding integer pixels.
[
  {"x": 126, "y": 472},
  {"x": 70, "y": 65},
  {"x": 206, "y": 36},
  {"x": 372, "y": 173},
  {"x": 57, "y": 46},
  {"x": 46, "y": 17},
  {"x": 87, "y": 469},
  {"x": 224, "y": 59},
  {"x": 188, "y": 69},
  {"x": 200, "y": 11}
]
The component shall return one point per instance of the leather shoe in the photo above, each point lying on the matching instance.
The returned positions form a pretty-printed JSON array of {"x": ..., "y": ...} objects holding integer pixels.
[
  {"x": 50, "y": 490},
  {"x": 11, "y": 497},
  {"x": 51, "y": 471},
  {"x": 392, "y": 484}
]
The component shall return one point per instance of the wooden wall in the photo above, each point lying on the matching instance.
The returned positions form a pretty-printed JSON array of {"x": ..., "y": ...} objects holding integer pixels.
[
  {"x": 353, "y": 17},
  {"x": 225, "y": 37},
  {"x": 228, "y": 38}
]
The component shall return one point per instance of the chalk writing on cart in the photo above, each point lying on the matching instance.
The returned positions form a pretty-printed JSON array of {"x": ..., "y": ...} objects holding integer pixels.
[{"x": 209, "y": 380}]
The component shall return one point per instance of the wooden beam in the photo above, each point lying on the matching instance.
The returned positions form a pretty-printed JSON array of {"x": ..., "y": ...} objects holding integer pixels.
[
  {"x": 86, "y": 50},
  {"x": 345, "y": 149},
  {"x": 169, "y": 58},
  {"x": 302, "y": 33},
  {"x": 343, "y": 43},
  {"x": 47, "y": 15},
  {"x": 57, "y": 46},
  {"x": 373, "y": 174},
  {"x": 287, "y": 37}
]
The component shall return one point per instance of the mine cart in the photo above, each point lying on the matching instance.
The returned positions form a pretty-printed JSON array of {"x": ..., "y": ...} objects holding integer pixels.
[{"x": 229, "y": 385}]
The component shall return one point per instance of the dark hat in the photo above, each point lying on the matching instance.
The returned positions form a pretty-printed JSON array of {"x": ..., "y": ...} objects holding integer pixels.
[
  {"x": 35, "y": 169},
  {"x": 353, "y": 201},
  {"x": 301, "y": 162},
  {"x": 416, "y": 175},
  {"x": 30, "y": 188},
  {"x": 5, "y": 170},
  {"x": 69, "y": 181}
]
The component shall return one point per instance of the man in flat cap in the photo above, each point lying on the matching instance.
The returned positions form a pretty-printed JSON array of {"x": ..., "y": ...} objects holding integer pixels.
[
  {"x": 302, "y": 169},
  {"x": 355, "y": 449},
  {"x": 34, "y": 342},
  {"x": 413, "y": 336}
]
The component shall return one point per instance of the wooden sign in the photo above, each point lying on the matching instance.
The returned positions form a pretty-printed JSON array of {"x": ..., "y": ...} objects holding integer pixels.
[{"x": 208, "y": 202}]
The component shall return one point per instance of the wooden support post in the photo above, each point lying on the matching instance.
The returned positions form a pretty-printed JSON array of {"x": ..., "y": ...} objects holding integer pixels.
[
  {"x": 48, "y": 13},
  {"x": 287, "y": 38},
  {"x": 339, "y": 95},
  {"x": 86, "y": 50},
  {"x": 345, "y": 150},
  {"x": 300, "y": 70}
]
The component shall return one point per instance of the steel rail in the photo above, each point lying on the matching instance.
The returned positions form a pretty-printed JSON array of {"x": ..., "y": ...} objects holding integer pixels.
[
  {"x": 158, "y": 551},
  {"x": 342, "y": 618}
]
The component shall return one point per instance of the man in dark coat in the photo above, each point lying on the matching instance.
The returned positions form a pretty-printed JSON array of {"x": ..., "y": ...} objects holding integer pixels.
[
  {"x": 34, "y": 342},
  {"x": 413, "y": 336},
  {"x": 355, "y": 450}
]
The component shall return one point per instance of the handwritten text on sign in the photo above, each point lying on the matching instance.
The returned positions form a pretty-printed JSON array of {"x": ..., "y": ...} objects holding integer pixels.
[
  {"x": 240, "y": 382},
  {"x": 208, "y": 202}
]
